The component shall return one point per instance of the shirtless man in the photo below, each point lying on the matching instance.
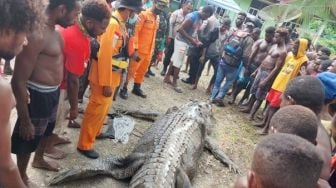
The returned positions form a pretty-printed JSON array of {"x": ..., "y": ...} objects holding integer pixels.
[
  {"x": 294, "y": 62},
  {"x": 12, "y": 39},
  {"x": 37, "y": 75},
  {"x": 267, "y": 71},
  {"x": 259, "y": 52}
]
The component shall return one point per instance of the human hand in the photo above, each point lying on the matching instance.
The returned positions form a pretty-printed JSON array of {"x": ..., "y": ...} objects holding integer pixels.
[
  {"x": 198, "y": 43},
  {"x": 26, "y": 130},
  {"x": 107, "y": 91}
]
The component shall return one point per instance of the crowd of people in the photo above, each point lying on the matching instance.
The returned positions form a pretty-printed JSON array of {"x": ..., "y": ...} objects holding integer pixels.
[{"x": 62, "y": 47}]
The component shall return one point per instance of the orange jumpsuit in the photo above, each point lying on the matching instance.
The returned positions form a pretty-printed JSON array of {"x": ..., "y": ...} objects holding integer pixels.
[
  {"x": 101, "y": 74},
  {"x": 144, "y": 42}
]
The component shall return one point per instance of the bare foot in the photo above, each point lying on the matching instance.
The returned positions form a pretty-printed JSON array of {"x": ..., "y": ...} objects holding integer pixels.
[
  {"x": 46, "y": 165},
  {"x": 250, "y": 117},
  {"x": 54, "y": 153},
  {"x": 245, "y": 110},
  {"x": 57, "y": 140},
  {"x": 73, "y": 124},
  {"x": 260, "y": 116},
  {"x": 231, "y": 102},
  {"x": 262, "y": 132},
  {"x": 259, "y": 124},
  {"x": 193, "y": 87},
  {"x": 167, "y": 81}
]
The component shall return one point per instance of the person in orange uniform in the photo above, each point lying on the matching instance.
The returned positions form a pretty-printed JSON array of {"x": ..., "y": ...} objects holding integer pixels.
[
  {"x": 144, "y": 42},
  {"x": 105, "y": 75}
]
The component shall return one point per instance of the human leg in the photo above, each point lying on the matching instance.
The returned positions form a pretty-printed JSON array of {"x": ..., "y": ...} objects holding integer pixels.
[
  {"x": 93, "y": 119},
  {"x": 168, "y": 55},
  {"x": 218, "y": 81},
  {"x": 231, "y": 75}
]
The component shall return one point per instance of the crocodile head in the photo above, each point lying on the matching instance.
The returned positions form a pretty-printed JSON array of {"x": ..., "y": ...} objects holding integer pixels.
[{"x": 201, "y": 112}]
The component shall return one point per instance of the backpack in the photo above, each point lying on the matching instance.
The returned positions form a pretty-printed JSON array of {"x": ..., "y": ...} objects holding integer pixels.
[{"x": 233, "y": 47}]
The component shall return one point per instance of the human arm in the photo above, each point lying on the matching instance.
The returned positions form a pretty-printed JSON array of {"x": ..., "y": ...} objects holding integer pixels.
[
  {"x": 24, "y": 66},
  {"x": 254, "y": 51},
  {"x": 72, "y": 89},
  {"x": 9, "y": 173},
  {"x": 108, "y": 48},
  {"x": 182, "y": 30},
  {"x": 172, "y": 22},
  {"x": 333, "y": 128},
  {"x": 138, "y": 27},
  {"x": 247, "y": 48}
]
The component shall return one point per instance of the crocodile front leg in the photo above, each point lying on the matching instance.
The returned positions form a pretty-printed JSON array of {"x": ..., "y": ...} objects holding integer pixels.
[{"x": 213, "y": 147}]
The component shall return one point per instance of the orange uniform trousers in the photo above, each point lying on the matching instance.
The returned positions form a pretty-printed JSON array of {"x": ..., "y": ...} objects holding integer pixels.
[
  {"x": 137, "y": 70},
  {"x": 95, "y": 113}
]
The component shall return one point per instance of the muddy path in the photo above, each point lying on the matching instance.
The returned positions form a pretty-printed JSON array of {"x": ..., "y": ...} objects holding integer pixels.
[{"x": 233, "y": 133}]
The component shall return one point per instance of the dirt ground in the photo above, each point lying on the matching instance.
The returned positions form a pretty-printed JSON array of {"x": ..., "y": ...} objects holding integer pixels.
[{"x": 232, "y": 131}]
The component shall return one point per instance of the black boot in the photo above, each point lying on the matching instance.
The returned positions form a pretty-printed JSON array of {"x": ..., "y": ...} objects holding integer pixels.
[
  {"x": 150, "y": 72},
  {"x": 137, "y": 91},
  {"x": 123, "y": 93},
  {"x": 163, "y": 72}
]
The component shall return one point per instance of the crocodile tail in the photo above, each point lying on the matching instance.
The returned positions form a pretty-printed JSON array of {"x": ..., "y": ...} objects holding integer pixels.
[
  {"x": 118, "y": 168},
  {"x": 126, "y": 167}
]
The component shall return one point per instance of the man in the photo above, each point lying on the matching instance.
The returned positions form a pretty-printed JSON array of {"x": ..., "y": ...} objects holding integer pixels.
[
  {"x": 267, "y": 71},
  {"x": 175, "y": 21},
  {"x": 105, "y": 76},
  {"x": 309, "y": 92},
  {"x": 144, "y": 41},
  {"x": 21, "y": 18},
  {"x": 260, "y": 50},
  {"x": 237, "y": 49},
  {"x": 159, "y": 43},
  {"x": 206, "y": 36},
  {"x": 293, "y": 64},
  {"x": 214, "y": 51},
  {"x": 285, "y": 157},
  {"x": 185, "y": 38},
  {"x": 92, "y": 22},
  {"x": 37, "y": 76}
]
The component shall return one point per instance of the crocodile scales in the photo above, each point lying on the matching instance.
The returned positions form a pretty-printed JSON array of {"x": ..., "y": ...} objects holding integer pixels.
[{"x": 166, "y": 155}]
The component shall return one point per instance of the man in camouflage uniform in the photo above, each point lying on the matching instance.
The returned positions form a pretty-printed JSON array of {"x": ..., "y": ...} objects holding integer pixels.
[{"x": 160, "y": 43}]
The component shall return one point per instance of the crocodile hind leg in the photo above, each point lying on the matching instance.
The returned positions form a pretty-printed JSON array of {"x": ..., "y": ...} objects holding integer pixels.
[
  {"x": 118, "y": 168},
  {"x": 213, "y": 147},
  {"x": 182, "y": 179}
]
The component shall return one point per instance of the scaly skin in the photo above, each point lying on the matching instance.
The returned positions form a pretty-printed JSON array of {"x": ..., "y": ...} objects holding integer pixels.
[{"x": 166, "y": 156}]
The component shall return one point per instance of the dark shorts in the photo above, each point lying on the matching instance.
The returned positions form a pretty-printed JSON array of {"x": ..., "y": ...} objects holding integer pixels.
[
  {"x": 42, "y": 112},
  {"x": 260, "y": 93}
]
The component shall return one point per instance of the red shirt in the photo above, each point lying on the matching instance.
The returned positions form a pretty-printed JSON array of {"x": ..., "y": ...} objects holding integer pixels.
[{"x": 76, "y": 51}]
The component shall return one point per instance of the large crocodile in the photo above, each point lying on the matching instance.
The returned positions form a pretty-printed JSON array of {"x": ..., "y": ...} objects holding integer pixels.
[{"x": 166, "y": 155}]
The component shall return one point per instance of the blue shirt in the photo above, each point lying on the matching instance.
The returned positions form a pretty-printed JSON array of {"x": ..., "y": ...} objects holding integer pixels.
[{"x": 195, "y": 17}]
